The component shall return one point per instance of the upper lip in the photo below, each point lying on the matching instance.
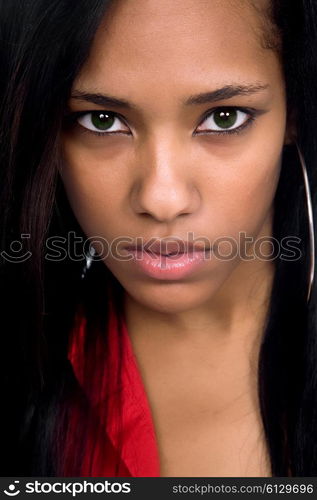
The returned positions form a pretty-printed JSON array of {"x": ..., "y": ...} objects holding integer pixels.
[{"x": 167, "y": 247}]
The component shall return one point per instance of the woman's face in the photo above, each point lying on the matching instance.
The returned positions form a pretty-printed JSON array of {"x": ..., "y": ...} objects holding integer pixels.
[{"x": 169, "y": 164}]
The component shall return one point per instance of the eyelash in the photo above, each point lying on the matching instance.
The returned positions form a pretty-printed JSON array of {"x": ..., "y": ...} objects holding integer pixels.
[{"x": 73, "y": 117}]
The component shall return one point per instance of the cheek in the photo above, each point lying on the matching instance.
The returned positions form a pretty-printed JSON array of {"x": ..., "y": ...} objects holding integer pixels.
[
  {"x": 242, "y": 196},
  {"x": 95, "y": 194},
  {"x": 244, "y": 176}
]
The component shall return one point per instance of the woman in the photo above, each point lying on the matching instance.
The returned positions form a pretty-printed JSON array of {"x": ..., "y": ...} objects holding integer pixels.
[{"x": 168, "y": 140}]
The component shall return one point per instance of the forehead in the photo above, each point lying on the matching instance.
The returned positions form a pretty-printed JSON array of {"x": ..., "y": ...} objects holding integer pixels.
[{"x": 178, "y": 43}]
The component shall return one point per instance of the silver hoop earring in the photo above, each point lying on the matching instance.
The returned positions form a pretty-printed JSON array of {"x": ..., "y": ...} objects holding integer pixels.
[
  {"x": 88, "y": 261},
  {"x": 311, "y": 221}
]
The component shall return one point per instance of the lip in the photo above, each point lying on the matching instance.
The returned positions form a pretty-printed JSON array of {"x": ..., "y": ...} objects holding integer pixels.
[{"x": 168, "y": 267}]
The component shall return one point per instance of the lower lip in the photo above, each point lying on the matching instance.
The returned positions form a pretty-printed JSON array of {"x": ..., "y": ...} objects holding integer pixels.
[{"x": 164, "y": 267}]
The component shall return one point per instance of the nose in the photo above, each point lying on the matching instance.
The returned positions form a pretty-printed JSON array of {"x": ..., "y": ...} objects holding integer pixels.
[{"x": 164, "y": 187}]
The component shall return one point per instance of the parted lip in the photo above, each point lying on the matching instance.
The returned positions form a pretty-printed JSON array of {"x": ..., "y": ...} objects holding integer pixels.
[{"x": 162, "y": 247}]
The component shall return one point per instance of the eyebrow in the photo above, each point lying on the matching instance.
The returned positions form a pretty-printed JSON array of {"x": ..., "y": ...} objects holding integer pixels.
[{"x": 226, "y": 92}]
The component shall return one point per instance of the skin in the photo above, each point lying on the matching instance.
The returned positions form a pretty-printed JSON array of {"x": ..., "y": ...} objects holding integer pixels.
[{"x": 159, "y": 178}]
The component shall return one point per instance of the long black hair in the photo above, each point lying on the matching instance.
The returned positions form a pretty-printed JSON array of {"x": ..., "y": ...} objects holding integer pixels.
[{"x": 43, "y": 45}]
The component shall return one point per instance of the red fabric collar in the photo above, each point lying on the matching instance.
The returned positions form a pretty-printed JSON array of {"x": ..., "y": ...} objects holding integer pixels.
[{"x": 102, "y": 456}]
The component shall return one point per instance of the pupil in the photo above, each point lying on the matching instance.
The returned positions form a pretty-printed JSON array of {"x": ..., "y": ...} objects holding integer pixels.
[
  {"x": 225, "y": 118},
  {"x": 102, "y": 120}
]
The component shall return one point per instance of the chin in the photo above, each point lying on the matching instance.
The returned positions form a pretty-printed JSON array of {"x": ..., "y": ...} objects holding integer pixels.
[{"x": 172, "y": 298}]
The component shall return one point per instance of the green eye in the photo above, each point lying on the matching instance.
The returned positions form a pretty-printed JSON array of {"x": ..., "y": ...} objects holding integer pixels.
[
  {"x": 225, "y": 118},
  {"x": 102, "y": 121}
]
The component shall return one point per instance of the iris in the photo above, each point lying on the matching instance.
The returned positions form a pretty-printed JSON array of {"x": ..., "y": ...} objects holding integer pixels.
[
  {"x": 225, "y": 118},
  {"x": 102, "y": 120}
]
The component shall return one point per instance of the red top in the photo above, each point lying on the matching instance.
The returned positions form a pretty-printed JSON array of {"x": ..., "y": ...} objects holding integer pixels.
[{"x": 101, "y": 455}]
